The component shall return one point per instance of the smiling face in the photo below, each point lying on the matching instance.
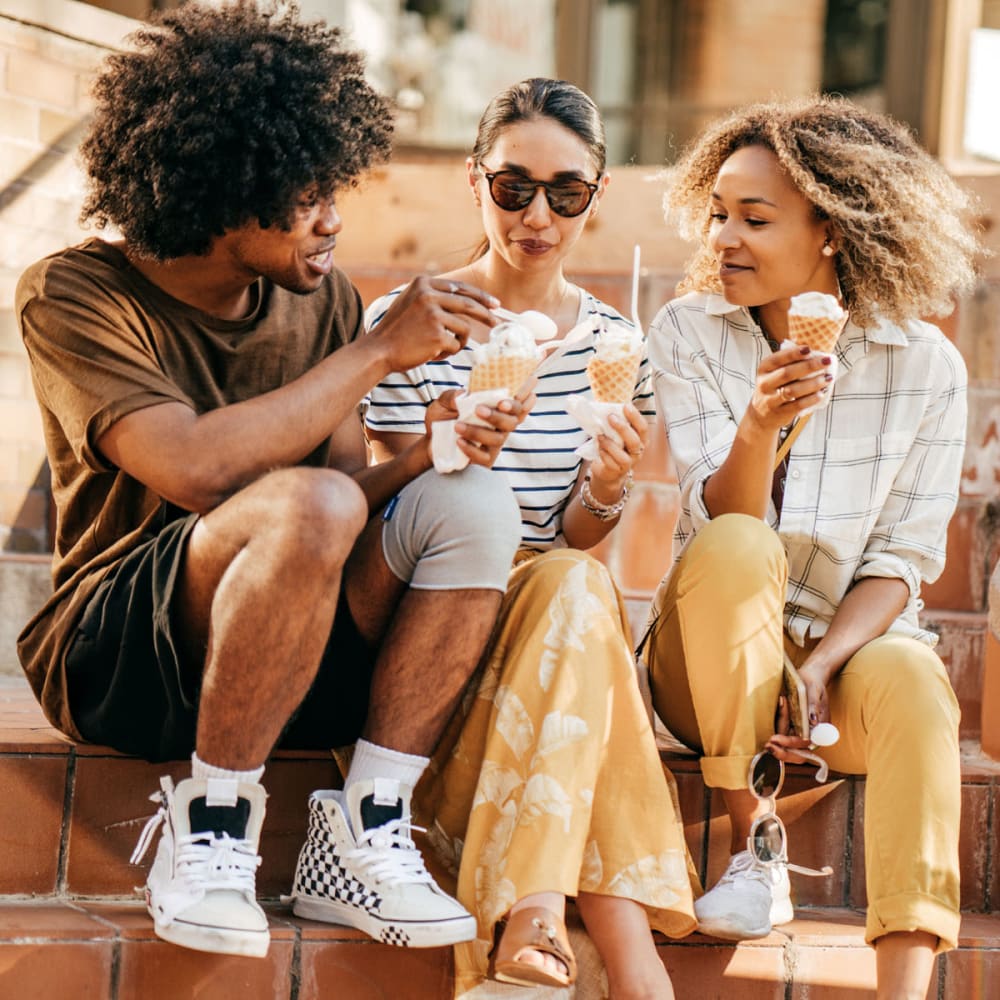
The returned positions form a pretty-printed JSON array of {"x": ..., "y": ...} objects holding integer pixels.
[
  {"x": 541, "y": 149},
  {"x": 298, "y": 259},
  {"x": 766, "y": 235}
]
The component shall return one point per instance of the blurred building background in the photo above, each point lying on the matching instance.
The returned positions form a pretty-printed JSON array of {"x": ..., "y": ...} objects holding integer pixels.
[{"x": 659, "y": 69}]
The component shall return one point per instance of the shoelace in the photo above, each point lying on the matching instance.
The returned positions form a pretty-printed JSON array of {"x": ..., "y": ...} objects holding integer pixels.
[
  {"x": 221, "y": 862},
  {"x": 388, "y": 854},
  {"x": 743, "y": 865}
]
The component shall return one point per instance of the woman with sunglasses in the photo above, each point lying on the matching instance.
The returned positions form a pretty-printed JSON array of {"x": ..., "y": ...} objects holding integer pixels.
[
  {"x": 549, "y": 783},
  {"x": 818, "y": 559}
]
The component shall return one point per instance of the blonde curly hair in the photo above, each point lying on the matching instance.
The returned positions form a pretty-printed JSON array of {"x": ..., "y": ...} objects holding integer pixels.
[{"x": 905, "y": 246}]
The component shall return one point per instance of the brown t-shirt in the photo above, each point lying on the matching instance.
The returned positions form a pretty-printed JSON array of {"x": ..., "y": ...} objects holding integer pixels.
[{"x": 104, "y": 342}]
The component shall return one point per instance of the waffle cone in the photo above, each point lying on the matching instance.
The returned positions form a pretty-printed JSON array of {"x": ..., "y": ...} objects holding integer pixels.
[
  {"x": 818, "y": 333},
  {"x": 613, "y": 381},
  {"x": 501, "y": 372}
]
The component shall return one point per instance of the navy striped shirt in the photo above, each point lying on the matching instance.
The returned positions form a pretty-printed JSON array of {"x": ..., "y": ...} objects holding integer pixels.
[{"x": 538, "y": 458}]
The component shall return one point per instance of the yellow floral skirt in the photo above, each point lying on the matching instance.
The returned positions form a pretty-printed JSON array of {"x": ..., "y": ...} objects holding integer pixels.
[{"x": 548, "y": 777}]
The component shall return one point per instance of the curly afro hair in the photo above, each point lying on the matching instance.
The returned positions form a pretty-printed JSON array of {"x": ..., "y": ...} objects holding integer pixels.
[
  {"x": 216, "y": 117},
  {"x": 904, "y": 243}
]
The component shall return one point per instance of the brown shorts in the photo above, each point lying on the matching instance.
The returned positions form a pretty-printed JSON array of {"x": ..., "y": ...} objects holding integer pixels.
[{"x": 129, "y": 688}]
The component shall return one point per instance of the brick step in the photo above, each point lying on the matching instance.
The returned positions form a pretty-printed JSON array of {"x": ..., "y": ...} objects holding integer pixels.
[
  {"x": 107, "y": 951},
  {"x": 71, "y": 815}
]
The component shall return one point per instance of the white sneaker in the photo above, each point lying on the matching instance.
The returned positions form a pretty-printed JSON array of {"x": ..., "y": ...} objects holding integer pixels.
[
  {"x": 376, "y": 880},
  {"x": 747, "y": 901},
  {"x": 201, "y": 889}
]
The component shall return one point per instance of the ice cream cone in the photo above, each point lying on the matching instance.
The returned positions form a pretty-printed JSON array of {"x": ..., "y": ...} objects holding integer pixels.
[
  {"x": 613, "y": 380},
  {"x": 502, "y": 371},
  {"x": 818, "y": 333}
]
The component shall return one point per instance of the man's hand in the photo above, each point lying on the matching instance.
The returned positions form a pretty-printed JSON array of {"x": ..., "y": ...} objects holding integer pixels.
[{"x": 432, "y": 319}]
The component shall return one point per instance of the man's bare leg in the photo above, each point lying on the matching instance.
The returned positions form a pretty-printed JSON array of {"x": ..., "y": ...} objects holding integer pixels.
[
  {"x": 429, "y": 641},
  {"x": 256, "y": 603}
]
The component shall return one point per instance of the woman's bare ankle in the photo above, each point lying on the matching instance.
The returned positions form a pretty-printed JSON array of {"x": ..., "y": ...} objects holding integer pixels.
[{"x": 554, "y": 902}]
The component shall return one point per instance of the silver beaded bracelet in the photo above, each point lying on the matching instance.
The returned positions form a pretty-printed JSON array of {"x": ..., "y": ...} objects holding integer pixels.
[{"x": 605, "y": 511}]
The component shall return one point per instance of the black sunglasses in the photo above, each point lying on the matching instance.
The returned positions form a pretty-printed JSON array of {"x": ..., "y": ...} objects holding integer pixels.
[{"x": 514, "y": 192}]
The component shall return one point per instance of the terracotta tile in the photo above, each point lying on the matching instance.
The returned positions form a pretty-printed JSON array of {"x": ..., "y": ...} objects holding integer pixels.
[
  {"x": 372, "y": 971},
  {"x": 979, "y": 930},
  {"x": 691, "y": 794},
  {"x": 68, "y": 970},
  {"x": 962, "y": 584},
  {"x": 50, "y": 920},
  {"x": 858, "y": 896},
  {"x": 32, "y": 793},
  {"x": 159, "y": 969},
  {"x": 110, "y": 807},
  {"x": 972, "y": 974},
  {"x": 962, "y": 648},
  {"x": 23, "y": 727},
  {"x": 823, "y": 973},
  {"x": 993, "y": 875},
  {"x": 288, "y": 784},
  {"x": 829, "y": 927},
  {"x": 975, "y": 845},
  {"x": 701, "y": 967},
  {"x": 816, "y": 818},
  {"x": 990, "y": 711}
]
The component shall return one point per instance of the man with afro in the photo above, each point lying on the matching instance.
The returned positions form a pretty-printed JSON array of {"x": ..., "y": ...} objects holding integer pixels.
[{"x": 230, "y": 573}]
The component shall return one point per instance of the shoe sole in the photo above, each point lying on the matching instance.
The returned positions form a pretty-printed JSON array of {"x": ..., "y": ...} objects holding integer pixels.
[
  {"x": 403, "y": 933},
  {"x": 217, "y": 940},
  {"x": 728, "y": 932}
]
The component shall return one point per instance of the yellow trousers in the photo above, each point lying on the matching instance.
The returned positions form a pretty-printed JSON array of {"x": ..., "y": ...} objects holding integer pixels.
[{"x": 715, "y": 660}]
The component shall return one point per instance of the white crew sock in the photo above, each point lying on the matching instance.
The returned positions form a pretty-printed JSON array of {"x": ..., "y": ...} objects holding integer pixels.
[
  {"x": 223, "y": 784},
  {"x": 371, "y": 761}
]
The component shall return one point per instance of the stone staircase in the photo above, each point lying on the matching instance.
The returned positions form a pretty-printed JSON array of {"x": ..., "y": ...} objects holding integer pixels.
[{"x": 71, "y": 926}]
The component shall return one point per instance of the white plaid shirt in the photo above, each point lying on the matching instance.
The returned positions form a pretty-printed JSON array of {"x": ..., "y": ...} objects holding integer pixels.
[{"x": 873, "y": 477}]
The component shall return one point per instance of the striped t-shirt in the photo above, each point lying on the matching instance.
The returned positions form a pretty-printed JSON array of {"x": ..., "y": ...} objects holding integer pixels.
[{"x": 538, "y": 458}]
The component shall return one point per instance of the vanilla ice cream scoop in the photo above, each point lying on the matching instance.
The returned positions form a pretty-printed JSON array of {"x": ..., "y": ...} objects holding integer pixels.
[
  {"x": 505, "y": 360},
  {"x": 816, "y": 304}
]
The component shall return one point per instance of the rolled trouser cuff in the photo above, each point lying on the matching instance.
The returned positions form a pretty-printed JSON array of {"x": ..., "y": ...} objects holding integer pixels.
[
  {"x": 726, "y": 772},
  {"x": 913, "y": 911}
]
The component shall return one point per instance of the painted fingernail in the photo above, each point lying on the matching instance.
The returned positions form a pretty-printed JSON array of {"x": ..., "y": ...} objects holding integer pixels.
[
  {"x": 827, "y": 377},
  {"x": 827, "y": 360}
]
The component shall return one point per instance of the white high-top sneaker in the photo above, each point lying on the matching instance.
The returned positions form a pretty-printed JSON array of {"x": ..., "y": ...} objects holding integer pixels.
[
  {"x": 360, "y": 867},
  {"x": 747, "y": 901},
  {"x": 201, "y": 890}
]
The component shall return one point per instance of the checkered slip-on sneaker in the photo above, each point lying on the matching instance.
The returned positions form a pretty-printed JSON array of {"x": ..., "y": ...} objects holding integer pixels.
[
  {"x": 201, "y": 890},
  {"x": 375, "y": 881}
]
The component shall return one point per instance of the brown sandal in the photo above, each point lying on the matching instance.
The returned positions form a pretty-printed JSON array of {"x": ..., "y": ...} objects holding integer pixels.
[{"x": 534, "y": 928}]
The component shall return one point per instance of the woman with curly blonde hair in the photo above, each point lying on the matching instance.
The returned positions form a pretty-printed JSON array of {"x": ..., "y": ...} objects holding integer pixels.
[{"x": 801, "y": 569}]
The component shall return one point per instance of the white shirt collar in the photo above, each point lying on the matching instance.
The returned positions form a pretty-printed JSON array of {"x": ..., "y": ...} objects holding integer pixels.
[{"x": 882, "y": 332}]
